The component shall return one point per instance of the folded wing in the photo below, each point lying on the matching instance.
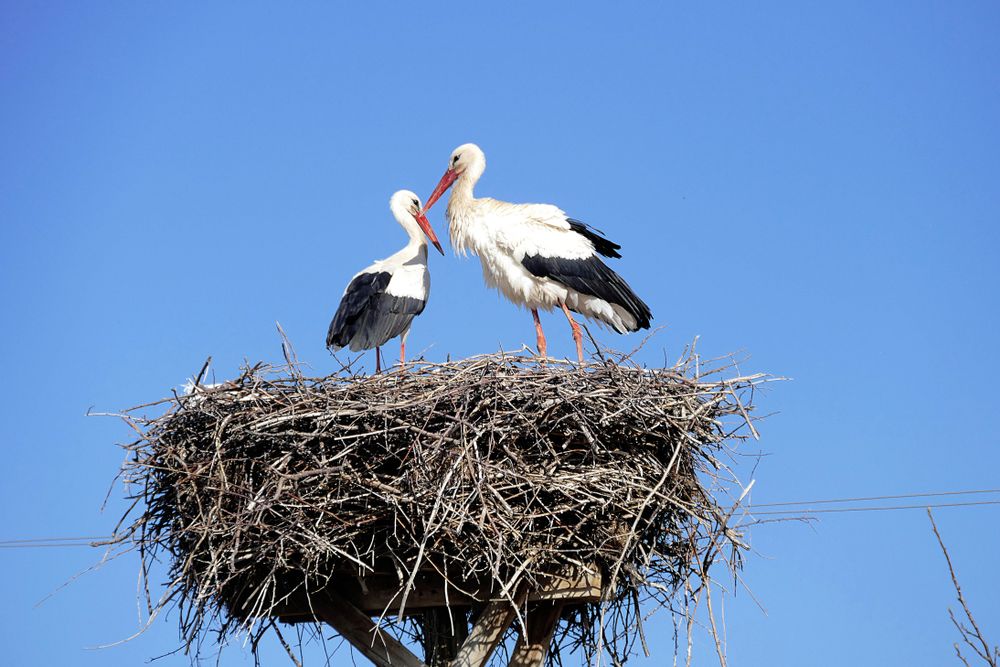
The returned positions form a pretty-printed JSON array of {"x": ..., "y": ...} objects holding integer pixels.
[{"x": 369, "y": 316}]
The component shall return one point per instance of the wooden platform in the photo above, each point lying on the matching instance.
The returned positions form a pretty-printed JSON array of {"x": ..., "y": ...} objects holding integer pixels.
[{"x": 349, "y": 605}]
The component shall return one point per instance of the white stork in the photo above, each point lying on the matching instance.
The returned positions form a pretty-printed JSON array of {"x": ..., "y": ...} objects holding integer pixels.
[
  {"x": 381, "y": 300},
  {"x": 536, "y": 255}
]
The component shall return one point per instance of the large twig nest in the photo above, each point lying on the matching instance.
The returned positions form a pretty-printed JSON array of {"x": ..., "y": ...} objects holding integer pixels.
[{"x": 491, "y": 474}]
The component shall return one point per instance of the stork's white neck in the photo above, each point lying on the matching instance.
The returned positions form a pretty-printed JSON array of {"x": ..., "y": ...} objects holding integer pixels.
[
  {"x": 460, "y": 214},
  {"x": 462, "y": 190},
  {"x": 408, "y": 223},
  {"x": 462, "y": 202}
]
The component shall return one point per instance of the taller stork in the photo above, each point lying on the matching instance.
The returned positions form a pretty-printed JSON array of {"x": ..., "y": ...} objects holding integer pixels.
[
  {"x": 382, "y": 299},
  {"x": 536, "y": 255}
]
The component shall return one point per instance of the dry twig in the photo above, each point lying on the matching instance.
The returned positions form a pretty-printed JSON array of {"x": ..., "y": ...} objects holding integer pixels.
[{"x": 972, "y": 637}]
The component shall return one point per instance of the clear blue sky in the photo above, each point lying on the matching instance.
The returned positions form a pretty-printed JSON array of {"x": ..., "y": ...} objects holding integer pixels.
[{"x": 815, "y": 184}]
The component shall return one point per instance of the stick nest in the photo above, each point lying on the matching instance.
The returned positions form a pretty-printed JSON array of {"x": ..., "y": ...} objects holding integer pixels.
[{"x": 493, "y": 474}]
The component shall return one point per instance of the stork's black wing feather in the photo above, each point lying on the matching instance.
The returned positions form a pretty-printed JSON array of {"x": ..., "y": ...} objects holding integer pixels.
[
  {"x": 403, "y": 305},
  {"x": 368, "y": 316},
  {"x": 593, "y": 277},
  {"x": 385, "y": 318},
  {"x": 359, "y": 295},
  {"x": 595, "y": 236}
]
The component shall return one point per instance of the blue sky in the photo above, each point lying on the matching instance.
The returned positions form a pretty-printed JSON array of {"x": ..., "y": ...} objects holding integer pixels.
[{"x": 817, "y": 185}]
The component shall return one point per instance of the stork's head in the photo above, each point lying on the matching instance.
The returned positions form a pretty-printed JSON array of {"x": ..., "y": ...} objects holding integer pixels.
[
  {"x": 467, "y": 156},
  {"x": 466, "y": 159},
  {"x": 406, "y": 207}
]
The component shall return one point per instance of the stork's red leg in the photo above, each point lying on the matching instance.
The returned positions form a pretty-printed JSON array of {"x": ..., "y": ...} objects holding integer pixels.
[
  {"x": 540, "y": 335},
  {"x": 402, "y": 352},
  {"x": 577, "y": 336},
  {"x": 378, "y": 359}
]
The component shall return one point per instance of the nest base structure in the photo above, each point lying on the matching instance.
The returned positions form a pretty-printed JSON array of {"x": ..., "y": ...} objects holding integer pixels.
[
  {"x": 455, "y": 504},
  {"x": 457, "y": 646},
  {"x": 348, "y": 604}
]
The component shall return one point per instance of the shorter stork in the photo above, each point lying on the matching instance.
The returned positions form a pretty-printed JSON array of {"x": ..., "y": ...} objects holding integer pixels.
[{"x": 381, "y": 300}]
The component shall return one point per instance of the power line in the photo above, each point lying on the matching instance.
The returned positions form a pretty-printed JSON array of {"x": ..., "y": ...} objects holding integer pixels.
[
  {"x": 870, "y": 498},
  {"x": 55, "y": 539},
  {"x": 48, "y": 542},
  {"x": 89, "y": 541},
  {"x": 806, "y": 512},
  {"x": 47, "y": 546}
]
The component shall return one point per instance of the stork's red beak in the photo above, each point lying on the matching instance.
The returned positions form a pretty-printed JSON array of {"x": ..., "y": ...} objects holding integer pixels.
[
  {"x": 428, "y": 230},
  {"x": 449, "y": 177}
]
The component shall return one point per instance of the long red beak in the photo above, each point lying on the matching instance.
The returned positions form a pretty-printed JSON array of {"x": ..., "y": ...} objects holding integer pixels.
[
  {"x": 428, "y": 230},
  {"x": 449, "y": 177}
]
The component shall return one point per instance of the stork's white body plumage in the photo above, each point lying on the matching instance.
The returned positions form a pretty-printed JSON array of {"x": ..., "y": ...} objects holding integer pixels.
[
  {"x": 409, "y": 277},
  {"x": 382, "y": 299},
  {"x": 503, "y": 234},
  {"x": 536, "y": 255}
]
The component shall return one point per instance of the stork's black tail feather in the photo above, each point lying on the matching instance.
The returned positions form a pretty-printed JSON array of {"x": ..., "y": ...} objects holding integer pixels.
[
  {"x": 593, "y": 277},
  {"x": 595, "y": 236}
]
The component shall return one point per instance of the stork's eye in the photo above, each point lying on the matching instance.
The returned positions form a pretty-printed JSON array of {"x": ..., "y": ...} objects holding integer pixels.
[
  {"x": 454, "y": 159},
  {"x": 416, "y": 203}
]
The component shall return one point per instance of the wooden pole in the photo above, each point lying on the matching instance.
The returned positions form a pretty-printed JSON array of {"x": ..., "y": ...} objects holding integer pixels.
[
  {"x": 486, "y": 633},
  {"x": 541, "y": 622},
  {"x": 445, "y": 630},
  {"x": 358, "y": 628}
]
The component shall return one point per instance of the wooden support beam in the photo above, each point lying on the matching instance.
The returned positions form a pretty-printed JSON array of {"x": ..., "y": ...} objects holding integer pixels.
[
  {"x": 377, "y": 593},
  {"x": 486, "y": 633},
  {"x": 356, "y": 627},
  {"x": 382, "y": 591},
  {"x": 574, "y": 585},
  {"x": 541, "y": 620}
]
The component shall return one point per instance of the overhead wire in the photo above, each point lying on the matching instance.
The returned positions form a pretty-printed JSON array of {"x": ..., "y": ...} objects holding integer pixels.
[
  {"x": 871, "y": 498},
  {"x": 830, "y": 510},
  {"x": 796, "y": 508},
  {"x": 84, "y": 541}
]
